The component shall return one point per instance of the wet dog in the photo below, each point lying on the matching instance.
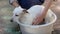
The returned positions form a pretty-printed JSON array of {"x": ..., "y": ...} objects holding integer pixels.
[{"x": 27, "y": 16}]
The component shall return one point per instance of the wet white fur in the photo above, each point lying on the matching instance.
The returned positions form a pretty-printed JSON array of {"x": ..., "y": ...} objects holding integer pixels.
[{"x": 27, "y": 18}]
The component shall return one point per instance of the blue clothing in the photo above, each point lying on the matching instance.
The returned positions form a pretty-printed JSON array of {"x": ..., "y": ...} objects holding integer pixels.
[{"x": 28, "y": 3}]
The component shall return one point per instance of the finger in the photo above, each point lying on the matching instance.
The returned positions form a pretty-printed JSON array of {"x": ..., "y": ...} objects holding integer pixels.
[{"x": 34, "y": 23}]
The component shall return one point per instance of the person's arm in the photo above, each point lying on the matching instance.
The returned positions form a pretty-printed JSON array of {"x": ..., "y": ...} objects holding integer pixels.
[
  {"x": 40, "y": 17},
  {"x": 14, "y": 3}
]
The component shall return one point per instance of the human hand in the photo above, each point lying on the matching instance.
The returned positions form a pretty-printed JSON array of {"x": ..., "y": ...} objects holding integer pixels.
[{"x": 37, "y": 20}]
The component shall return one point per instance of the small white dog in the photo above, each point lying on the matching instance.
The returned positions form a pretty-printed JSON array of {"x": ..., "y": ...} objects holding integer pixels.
[{"x": 27, "y": 16}]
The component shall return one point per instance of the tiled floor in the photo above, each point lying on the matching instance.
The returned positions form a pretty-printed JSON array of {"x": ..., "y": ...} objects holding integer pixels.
[{"x": 6, "y": 12}]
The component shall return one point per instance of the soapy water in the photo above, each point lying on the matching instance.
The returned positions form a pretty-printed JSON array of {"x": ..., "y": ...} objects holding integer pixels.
[{"x": 27, "y": 18}]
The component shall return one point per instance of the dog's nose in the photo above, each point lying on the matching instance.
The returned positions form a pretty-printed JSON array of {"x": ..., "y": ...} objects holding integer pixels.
[{"x": 11, "y": 20}]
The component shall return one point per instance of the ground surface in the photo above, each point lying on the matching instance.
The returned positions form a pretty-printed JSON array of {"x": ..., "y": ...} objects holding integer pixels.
[{"x": 6, "y": 12}]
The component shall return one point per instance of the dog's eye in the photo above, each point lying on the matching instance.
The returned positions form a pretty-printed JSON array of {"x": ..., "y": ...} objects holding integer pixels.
[{"x": 16, "y": 15}]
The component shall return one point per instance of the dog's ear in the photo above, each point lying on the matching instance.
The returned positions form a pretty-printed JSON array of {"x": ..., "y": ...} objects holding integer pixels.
[{"x": 25, "y": 11}]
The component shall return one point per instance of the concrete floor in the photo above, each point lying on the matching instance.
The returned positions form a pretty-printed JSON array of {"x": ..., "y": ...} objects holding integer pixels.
[{"x": 6, "y": 13}]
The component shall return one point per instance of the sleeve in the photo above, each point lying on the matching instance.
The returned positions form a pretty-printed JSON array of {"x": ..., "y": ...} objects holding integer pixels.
[
  {"x": 42, "y": 1},
  {"x": 11, "y": 1}
]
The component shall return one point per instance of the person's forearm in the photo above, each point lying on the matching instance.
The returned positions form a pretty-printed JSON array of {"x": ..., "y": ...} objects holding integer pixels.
[
  {"x": 48, "y": 4},
  {"x": 44, "y": 12}
]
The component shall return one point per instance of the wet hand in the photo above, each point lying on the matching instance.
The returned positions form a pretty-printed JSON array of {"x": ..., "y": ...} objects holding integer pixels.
[{"x": 37, "y": 21}]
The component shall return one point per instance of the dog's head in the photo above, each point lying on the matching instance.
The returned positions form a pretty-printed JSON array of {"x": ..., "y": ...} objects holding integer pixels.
[{"x": 18, "y": 16}]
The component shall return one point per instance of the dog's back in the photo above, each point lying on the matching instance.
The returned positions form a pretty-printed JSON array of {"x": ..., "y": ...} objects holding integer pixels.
[{"x": 31, "y": 14}]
